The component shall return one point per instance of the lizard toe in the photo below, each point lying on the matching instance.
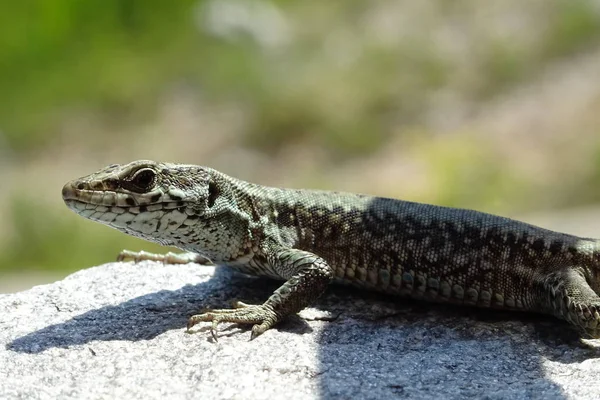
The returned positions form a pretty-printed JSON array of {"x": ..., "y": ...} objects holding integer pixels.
[
  {"x": 586, "y": 317},
  {"x": 259, "y": 329},
  {"x": 262, "y": 316}
]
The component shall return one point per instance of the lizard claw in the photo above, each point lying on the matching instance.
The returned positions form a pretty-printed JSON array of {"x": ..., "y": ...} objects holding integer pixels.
[
  {"x": 258, "y": 330},
  {"x": 262, "y": 316}
]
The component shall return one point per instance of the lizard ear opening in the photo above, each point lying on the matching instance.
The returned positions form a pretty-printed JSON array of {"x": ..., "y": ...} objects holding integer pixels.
[{"x": 213, "y": 193}]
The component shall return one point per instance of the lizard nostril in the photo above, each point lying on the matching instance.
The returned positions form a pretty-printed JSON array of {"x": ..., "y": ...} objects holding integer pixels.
[{"x": 80, "y": 186}]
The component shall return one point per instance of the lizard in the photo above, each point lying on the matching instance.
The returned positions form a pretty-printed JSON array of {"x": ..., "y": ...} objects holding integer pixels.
[{"x": 311, "y": 238}]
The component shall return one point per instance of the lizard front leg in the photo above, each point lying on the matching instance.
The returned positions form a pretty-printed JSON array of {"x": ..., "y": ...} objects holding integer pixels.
[{"x": 307, "y": 278}]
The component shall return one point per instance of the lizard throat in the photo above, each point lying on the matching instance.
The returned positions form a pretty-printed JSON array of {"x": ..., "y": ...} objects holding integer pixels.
[{"x": 156, "y": 222}]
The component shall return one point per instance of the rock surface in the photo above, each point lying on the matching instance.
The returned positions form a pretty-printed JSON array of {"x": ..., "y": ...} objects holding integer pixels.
[{"x": 118, "y": 331}]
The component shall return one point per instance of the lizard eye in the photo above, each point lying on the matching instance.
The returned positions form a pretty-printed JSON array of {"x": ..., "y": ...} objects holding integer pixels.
[{"x": 143, "y": 180}]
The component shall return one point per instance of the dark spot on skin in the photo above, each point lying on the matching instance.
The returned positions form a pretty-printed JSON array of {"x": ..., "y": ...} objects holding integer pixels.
[
  {"x": 437, "y": 241},
  {"x": 538, "y": 245},
  {"x": 285, "y": 217},
  {"x": 175, "y": 197},
  {"x": 511, "y": 238},
  {"x": 213, "y": 193},
  {"x": 472, "y": 233},
  {"x": 130, "y": 201},
  {"x": 143, "y": 208},
  {"x": 522, "y": 242},
  {"x": 555, "y": 247},
  {"x": 334, "y": 234},
  {"x": 338, "y": 210},
  {"x": 155, "y": 198},
  {"x": 181, "y": 210}
]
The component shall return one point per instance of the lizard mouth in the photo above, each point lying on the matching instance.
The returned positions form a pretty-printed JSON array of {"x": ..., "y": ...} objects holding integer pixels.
[
  {"x": 74, "y": 193},
  {"x": 137, "y": 215},
  {"x": 109, "y": 206}
]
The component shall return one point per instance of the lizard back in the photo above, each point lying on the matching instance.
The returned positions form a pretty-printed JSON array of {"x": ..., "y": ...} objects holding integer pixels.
[{"x": 425, "y": 251}]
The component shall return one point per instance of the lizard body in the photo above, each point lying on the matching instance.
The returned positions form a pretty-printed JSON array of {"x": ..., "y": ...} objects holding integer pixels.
[{"x": 311, "y": 238}]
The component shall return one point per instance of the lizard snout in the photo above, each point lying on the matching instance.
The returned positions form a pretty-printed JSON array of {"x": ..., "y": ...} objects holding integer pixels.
[{"x": 68, "y": 191}]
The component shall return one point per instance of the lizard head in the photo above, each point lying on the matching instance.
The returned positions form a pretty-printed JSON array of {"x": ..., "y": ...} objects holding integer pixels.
[{"x": 160, "y": 202}]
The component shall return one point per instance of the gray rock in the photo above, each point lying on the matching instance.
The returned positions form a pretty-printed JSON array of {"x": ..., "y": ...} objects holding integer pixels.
[{"x": 118, "y": 331}]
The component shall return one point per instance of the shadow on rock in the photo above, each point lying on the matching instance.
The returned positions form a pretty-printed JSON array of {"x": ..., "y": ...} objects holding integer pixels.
[
  {"x": 382, "y": 348},
  {"x": 551, "y": 337},
  {"x": 145, "y": 317}
]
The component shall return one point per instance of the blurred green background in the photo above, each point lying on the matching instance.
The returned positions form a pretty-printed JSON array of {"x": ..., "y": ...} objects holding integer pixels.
[{"x": 486, "y": 105}]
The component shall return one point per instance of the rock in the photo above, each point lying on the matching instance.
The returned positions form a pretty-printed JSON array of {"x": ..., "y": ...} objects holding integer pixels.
[{"x": 118, "y": 331}]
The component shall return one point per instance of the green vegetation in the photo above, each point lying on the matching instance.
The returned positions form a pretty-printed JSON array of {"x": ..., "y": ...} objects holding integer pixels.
[
  {"x": 107, "y": 55},
  {"x": 334, "y": 80},
  {"x": 470, "y": 174}
]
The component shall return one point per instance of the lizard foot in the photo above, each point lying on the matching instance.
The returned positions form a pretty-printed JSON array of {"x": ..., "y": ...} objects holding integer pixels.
[
  {"x": 262, "y": 316},
  {"x": 572, "y": 299},
  {"x": 586, "y": 317}
]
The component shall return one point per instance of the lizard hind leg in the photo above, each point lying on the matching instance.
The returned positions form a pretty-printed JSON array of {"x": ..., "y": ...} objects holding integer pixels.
[{"x": 573, "y": 300}]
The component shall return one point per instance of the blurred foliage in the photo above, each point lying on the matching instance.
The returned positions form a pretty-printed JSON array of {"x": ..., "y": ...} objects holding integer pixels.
[
  {"x": 319, "y": 70},
  {"x": 109, "y": 55},
  {"x": 470, "y": 174},
  {"x": 343, "y": 76}
]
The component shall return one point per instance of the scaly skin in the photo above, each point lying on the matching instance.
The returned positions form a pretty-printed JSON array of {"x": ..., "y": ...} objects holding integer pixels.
[{"x": 311, "y": 238}]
